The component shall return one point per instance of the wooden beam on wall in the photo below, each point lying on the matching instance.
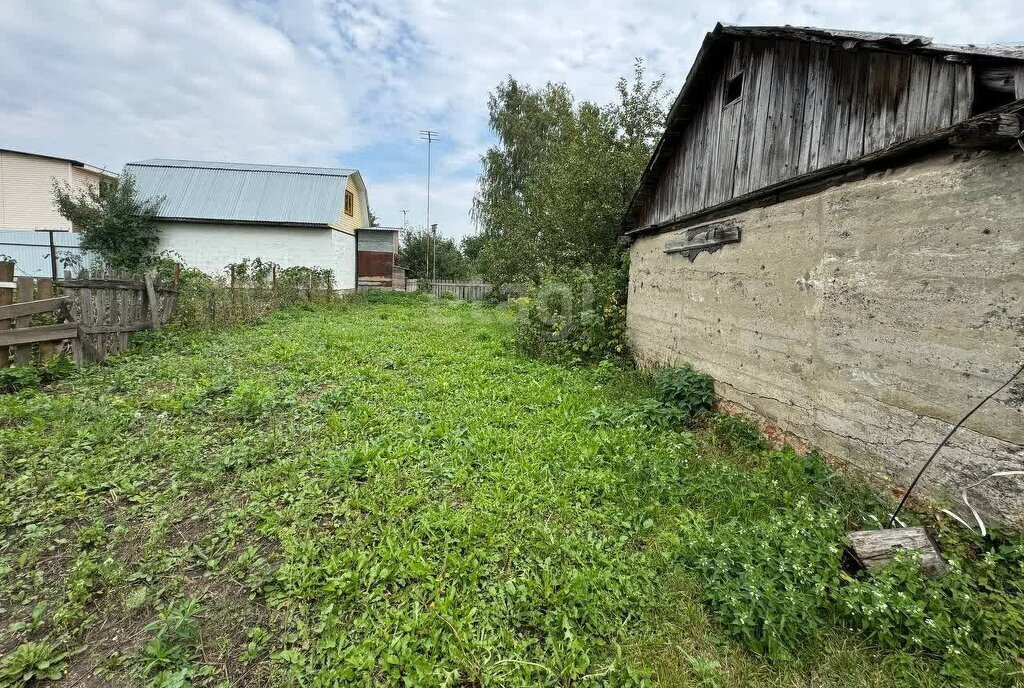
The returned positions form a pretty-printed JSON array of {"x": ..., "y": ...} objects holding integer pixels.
[{"x": 988, "y": 131}]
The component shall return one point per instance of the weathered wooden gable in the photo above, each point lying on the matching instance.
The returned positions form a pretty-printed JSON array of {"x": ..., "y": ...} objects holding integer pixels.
[{"x": 802, "y": 107}]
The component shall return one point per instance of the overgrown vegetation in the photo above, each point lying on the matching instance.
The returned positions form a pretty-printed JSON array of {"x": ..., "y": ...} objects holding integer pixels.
[
  {"x": 378, "y": 492},
  {"x": 23, "y": 377},
  {"x": 246, "y": 292},
  {"x": 575, "y": 317},
  {"x": 115, "y": 223}
]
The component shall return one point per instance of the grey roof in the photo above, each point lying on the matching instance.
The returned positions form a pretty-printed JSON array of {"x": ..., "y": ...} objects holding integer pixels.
[
  {"x": 870, "y": 39},
  {"x": 233, "y": 192}
]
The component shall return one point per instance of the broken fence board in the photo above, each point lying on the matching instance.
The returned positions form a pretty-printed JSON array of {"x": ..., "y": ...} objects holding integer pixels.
[
  {"x": 41, "y": 333},
  {"x": 20, "y": 309}
]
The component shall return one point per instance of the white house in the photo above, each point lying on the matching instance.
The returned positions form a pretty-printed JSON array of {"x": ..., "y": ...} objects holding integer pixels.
[{"x": 215, "y": 214}]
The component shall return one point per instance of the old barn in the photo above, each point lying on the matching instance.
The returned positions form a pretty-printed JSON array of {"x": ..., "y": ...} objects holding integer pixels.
[{"x": 832, "y": 225}]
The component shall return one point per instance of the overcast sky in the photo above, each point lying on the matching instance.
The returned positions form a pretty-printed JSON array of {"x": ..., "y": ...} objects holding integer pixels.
[{"x": 350, "y": 84}]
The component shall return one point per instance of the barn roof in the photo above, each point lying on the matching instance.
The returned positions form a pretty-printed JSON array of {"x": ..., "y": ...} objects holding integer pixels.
[
  {"x": 691, "y": 93},
  {"x": 233, "y": 192}
]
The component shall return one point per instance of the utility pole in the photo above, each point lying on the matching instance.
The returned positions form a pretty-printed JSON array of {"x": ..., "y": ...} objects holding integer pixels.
[
  {"x": 433, "y": 234},
  {"x": 428, "y": 136}
]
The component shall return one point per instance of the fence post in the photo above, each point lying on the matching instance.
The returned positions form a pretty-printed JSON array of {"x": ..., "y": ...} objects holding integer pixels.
[
  {"x": 154, "y": 303},
  {"x": 44, "y": 290},
  {"x": 6, "y": 298},
  {"x": 177, "y": 274},
  {"x": 23, "y": 352}
]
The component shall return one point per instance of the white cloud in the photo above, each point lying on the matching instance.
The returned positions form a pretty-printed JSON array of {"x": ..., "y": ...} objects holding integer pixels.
[{"x": 332, "y": 82}]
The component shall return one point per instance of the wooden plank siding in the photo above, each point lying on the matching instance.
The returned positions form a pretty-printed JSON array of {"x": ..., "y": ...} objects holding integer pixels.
[{"x": 804, "y": 107}]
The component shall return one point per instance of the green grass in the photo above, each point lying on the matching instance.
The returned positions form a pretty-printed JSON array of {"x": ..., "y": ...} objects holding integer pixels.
[{"x": 384, "y": 493}]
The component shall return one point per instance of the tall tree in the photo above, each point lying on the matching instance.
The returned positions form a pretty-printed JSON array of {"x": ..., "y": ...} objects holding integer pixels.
[
  {"x": 419, "y": 244},
  {"x": 555, "y": 187},
  {"x": 374, "y": 222},
  {"x": 470, "y": 246},
  {"x": 115, "y": 222}
]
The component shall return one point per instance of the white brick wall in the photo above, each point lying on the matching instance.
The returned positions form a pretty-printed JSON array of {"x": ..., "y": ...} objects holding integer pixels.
[{"x": 211, "y": 247}]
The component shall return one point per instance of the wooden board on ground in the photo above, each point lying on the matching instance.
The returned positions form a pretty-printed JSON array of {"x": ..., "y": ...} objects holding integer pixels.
[{"x": 875, "y": 548}]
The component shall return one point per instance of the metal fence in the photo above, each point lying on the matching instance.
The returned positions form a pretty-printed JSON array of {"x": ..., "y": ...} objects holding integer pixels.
[{"x": 30, "y": 251}]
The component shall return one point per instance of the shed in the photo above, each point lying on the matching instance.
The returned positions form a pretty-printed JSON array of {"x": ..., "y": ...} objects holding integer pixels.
[
  {"x": 215, "y": 214},
  {"x": 377, "y": 257},
  {"x": 830, "y": 226}
]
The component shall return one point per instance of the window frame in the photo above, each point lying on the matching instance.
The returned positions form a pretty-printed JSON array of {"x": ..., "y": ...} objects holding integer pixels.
[
  {"x": 726, "y": 102},
  {"x": 350, "y": 203}
]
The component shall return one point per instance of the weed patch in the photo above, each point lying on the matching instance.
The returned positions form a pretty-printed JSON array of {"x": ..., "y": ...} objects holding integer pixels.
[{"x": 384, "y": 492}]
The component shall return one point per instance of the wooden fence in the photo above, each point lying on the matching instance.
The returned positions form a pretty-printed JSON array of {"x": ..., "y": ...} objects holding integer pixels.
[
  {"x": 464, "y": 290},
  {"x": 93, "y": 313}
]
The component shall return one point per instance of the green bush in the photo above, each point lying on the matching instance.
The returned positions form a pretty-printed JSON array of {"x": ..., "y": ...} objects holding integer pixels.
[
  {"x": 685, "y": 388},
  {"x": 642, "y": 413},
  {"x": 575, "y": 317}
]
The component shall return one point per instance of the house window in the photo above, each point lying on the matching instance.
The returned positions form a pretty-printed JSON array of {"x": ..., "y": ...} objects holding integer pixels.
[
  {"x": 350, "y": 204},
  {"x": 734, "y": 89}
]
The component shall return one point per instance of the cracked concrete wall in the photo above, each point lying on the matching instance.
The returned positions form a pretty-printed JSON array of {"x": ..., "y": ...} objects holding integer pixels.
[{"x": 865, "y": 319}]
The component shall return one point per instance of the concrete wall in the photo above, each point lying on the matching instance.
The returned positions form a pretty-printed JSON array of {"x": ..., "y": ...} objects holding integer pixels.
[
  {"x": 865, "y": 319},
  {"x": 211, "y": 247}
]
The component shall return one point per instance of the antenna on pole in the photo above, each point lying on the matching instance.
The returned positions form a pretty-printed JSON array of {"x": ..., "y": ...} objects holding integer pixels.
[
  {"x": 405, "y": 219},
  {"x": 429, "y": 136}
]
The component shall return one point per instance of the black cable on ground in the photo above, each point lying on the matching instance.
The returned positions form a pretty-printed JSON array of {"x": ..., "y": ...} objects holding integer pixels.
[{"x": 906, "y": 495}]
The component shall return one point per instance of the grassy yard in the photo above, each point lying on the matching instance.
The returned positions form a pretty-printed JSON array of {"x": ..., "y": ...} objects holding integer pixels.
[{"x": 384, "y": 493}]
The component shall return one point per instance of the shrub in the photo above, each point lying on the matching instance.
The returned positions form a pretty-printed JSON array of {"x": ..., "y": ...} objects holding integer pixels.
[
  {"x": 258, "y": 288},
  {"x": 575, "y": 317},
  {"x": 685, "y": 388},
  {"x": 118, "y": 225},
  {"x": 644, "y": 413}
]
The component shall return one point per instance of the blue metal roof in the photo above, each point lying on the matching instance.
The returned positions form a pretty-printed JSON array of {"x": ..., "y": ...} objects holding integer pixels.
[{"x": 220, "y": 191}]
